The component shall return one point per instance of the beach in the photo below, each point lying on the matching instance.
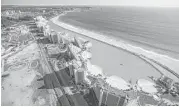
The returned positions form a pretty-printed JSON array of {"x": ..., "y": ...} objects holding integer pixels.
[
  {"x": 154, "y": 29},
  {"x": 114, "y": 61},
  {"x": 110, "y": 56},
  {"x": 89, "y": 55}
]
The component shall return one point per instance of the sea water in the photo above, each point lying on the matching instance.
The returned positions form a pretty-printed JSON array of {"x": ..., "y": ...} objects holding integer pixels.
[{"x": 154, "y": 29}]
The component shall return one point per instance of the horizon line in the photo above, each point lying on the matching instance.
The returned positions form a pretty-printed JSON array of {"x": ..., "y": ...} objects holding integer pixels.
[{"x": 82, "y": 5}]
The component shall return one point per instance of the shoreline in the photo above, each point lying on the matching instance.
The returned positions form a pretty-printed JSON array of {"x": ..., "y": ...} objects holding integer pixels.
[
  {"x": 122, "y": 64},
  {"x": 165, "y": 60},
  {"x": 107, "y": 36},
  {"x": 112, "y": 31}
]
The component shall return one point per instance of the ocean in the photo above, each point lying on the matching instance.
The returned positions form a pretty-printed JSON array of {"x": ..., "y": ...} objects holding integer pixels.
[{"x": 154, "y": 29}]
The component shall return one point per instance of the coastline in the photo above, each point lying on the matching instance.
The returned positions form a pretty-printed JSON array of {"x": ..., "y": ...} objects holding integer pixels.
[
  {"x": 112, "y": 60},
  {"x": 163, "y": 59},
  {"x": 136, "y": 33}
]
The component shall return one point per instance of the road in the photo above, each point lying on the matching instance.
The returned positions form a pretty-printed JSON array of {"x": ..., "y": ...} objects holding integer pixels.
[
  {"x": 57, "y": 81},
  {"x": 51, "y": 81},
  {"x": 60, "y": 79}
]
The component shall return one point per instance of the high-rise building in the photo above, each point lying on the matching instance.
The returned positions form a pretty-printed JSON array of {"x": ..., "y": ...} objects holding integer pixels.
[
  {"x": 54, "y": 38},
  {"x": 77, "y": 42},
  {"x": 60, "y": 38},
  {"x": 71, "y": 70},
  {"x": 97, "y": 91},
  {"x": 79, "y": 75},
  {"x": 109, "y": 98}
]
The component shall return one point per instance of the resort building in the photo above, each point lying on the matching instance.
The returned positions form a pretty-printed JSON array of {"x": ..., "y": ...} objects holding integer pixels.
[
  {"x": 108, "y": 98},
  {"x": 166, "y": 81},
  {"x": 53, "y": 37},
  {"x": 79, "y": 75},
  {"x": 108, "y": 94}
]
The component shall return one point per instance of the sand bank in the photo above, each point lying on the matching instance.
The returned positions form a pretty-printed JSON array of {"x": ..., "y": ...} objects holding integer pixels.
[{"x": 165, "y": 60}]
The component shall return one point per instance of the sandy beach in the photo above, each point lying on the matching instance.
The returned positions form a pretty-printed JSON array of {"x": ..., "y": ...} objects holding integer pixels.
[
  {"x": 104, "y": 51},
  {"x": 114, "y": 61}
]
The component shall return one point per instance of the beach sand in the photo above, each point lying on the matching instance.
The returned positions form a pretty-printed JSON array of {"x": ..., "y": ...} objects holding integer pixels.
[
  {"x": 114, "y": 61},
  {"x": 109, "y": 49}
]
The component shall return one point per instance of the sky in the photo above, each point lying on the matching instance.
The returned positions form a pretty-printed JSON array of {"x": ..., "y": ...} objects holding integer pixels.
[{"x": 156, "y": 3}]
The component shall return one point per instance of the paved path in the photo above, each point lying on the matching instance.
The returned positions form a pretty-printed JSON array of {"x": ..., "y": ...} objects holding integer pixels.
[
  {"x": 53, "y": 81},
  {"x": 50, "y": 79}
]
